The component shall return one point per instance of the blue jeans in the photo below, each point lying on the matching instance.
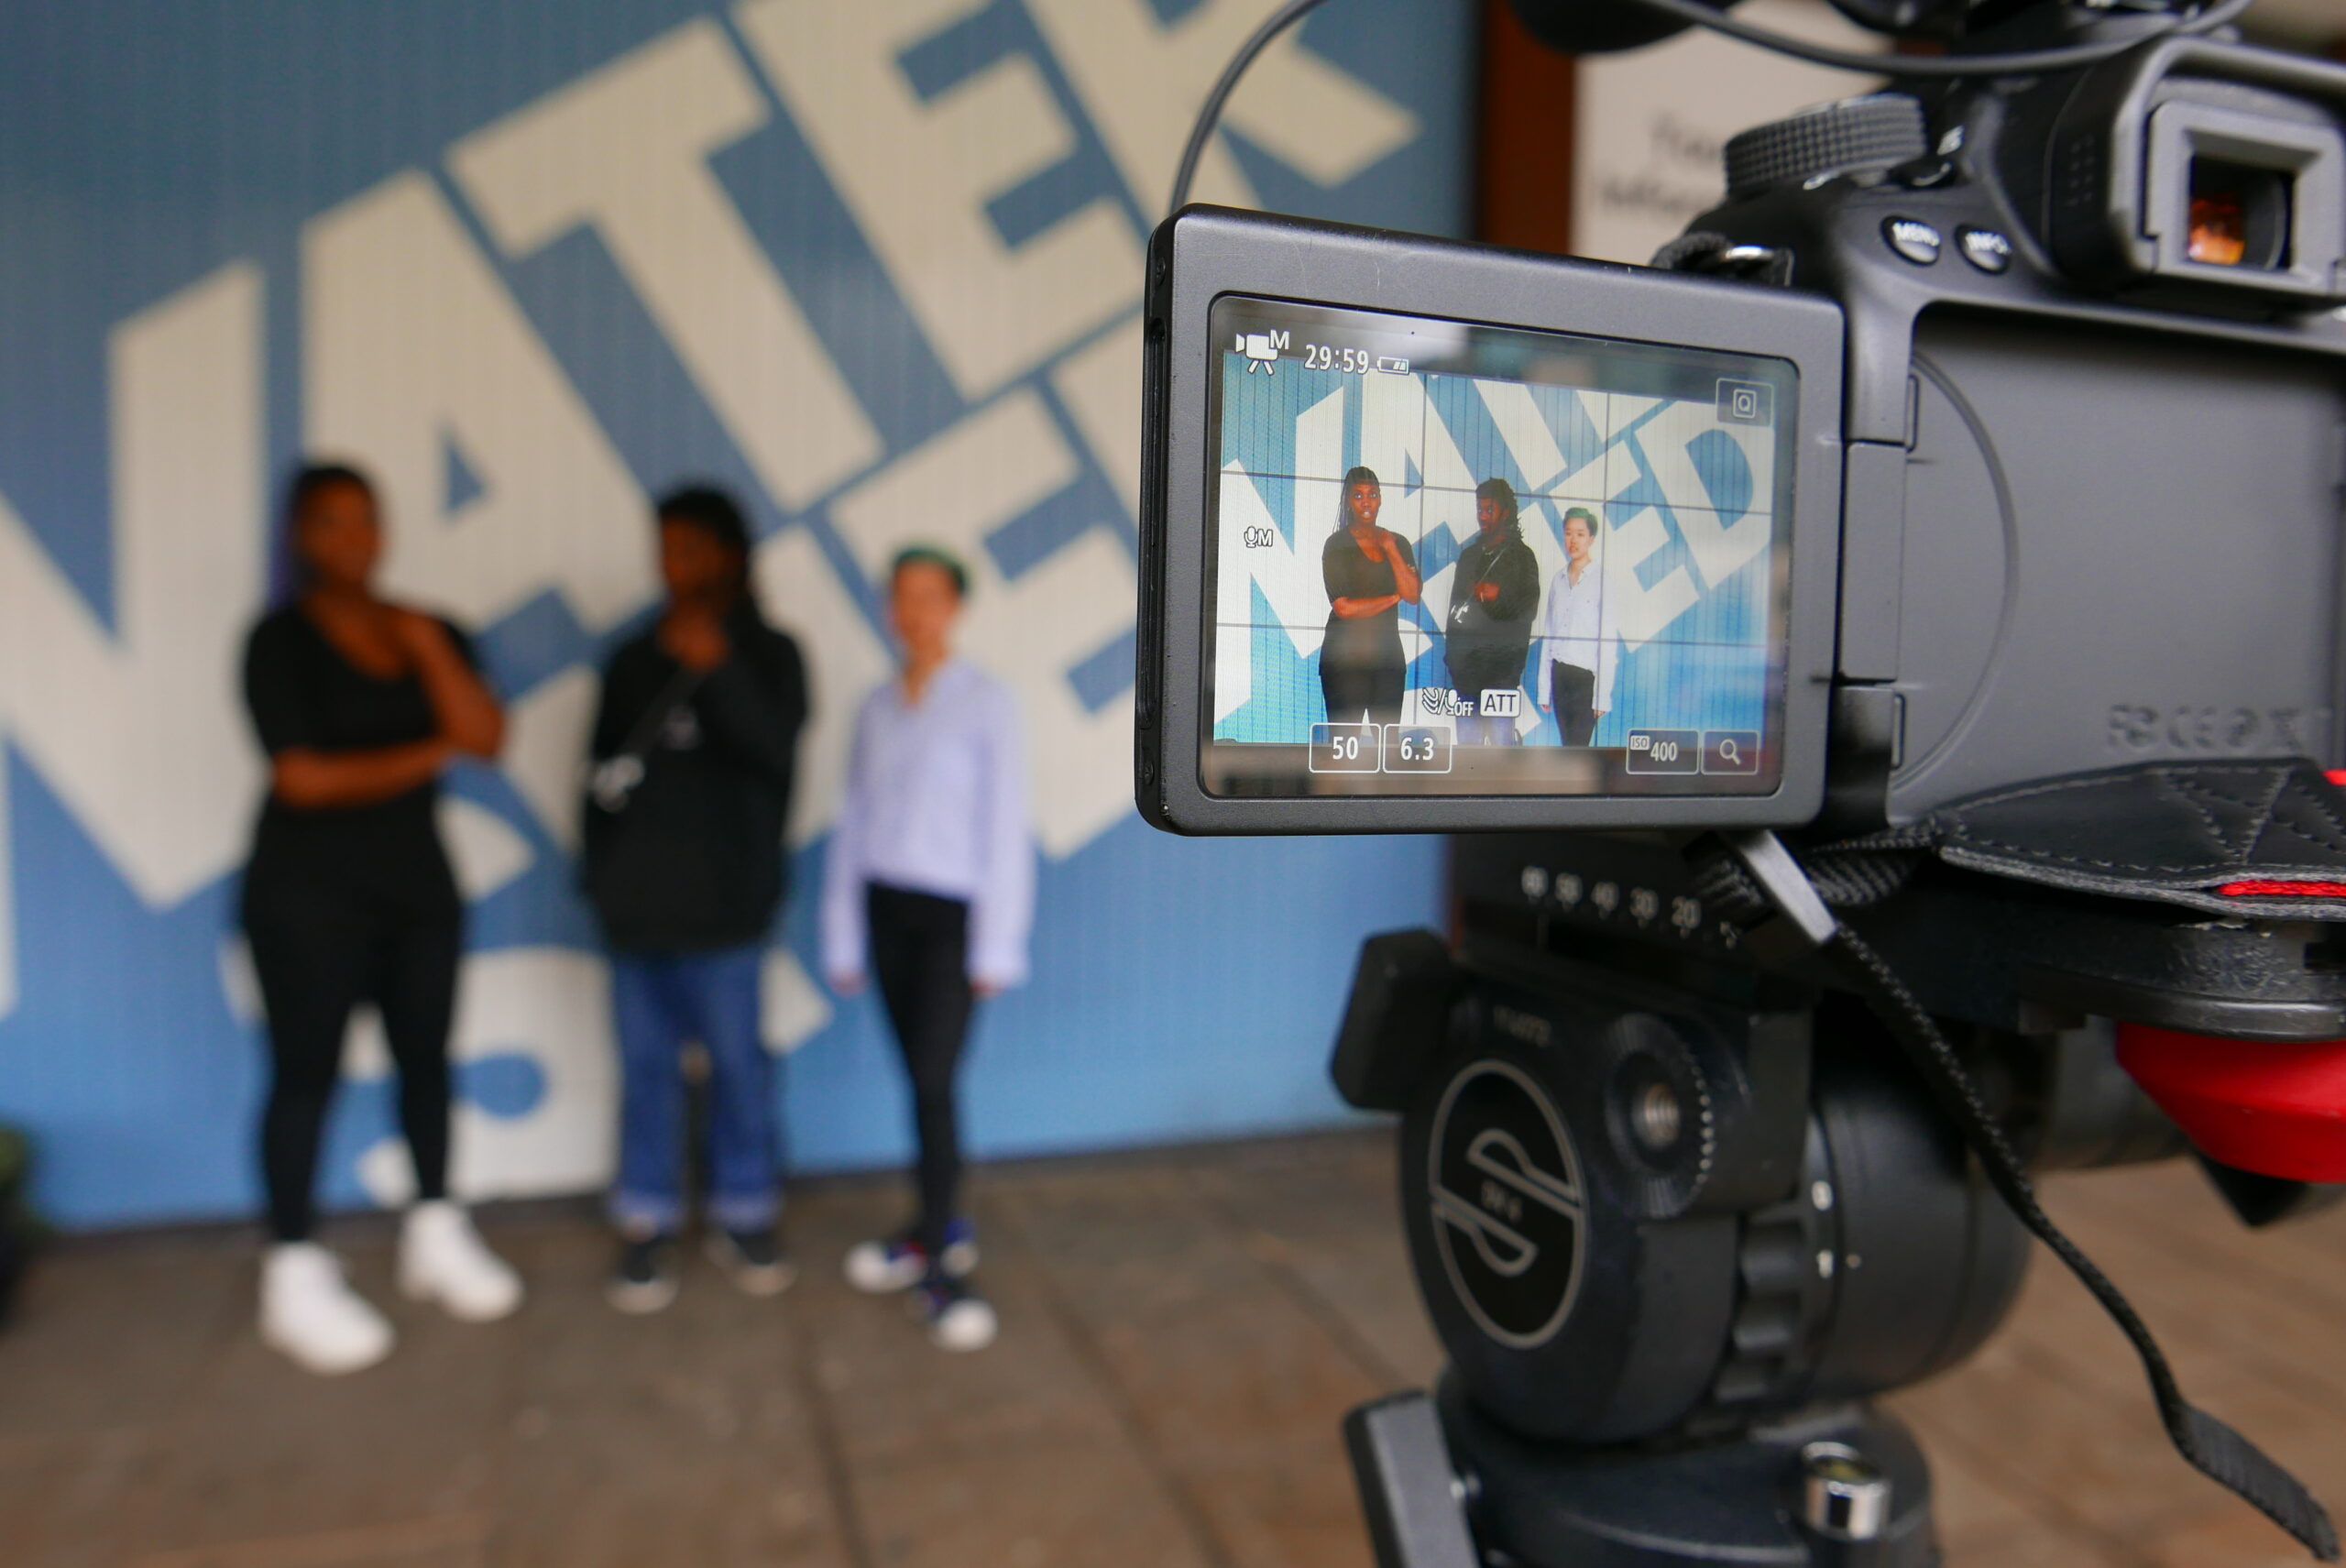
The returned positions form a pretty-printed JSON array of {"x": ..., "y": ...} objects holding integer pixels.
[{"x": 658, "y": 1003}]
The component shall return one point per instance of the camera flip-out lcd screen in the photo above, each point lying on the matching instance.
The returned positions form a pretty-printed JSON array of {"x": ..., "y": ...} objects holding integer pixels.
[
  {"x": 1438, "y": 537},
  {"x": 1448, "y": 559}
]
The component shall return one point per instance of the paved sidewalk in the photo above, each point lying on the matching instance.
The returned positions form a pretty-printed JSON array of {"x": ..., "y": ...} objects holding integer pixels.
[{"x": 1182, "y": 1332}]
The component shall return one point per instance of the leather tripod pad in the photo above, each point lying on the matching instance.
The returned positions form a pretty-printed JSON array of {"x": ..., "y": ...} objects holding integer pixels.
[{"x": 2262, "y": 840}]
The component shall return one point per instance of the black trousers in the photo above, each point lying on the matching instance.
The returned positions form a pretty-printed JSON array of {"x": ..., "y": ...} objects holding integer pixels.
[
  {"x": 1353, "y": 689},
  {"x": 1472, "y": 674},
  {"x": 920, "y": 955},
  {"x": 1574, "y": 691},
  {"x": 317, "y": 958}
]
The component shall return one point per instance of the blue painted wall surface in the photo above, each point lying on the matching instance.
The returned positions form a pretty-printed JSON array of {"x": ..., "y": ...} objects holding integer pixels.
[{"x": 232, "y": 233}]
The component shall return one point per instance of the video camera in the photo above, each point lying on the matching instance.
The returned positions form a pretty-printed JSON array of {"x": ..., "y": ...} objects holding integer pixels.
[{"x": 1961, "y": 497}]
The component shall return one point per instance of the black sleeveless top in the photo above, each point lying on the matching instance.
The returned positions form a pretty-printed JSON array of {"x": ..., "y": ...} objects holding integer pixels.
[
  {"x": 1371, "y": 642},
  {"x": 387, "y": 855}
]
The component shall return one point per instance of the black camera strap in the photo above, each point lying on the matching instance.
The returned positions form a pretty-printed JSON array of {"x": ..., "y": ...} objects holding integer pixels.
[
  {"x": 612, "y": 783},
  {"x": 1763, "y": 878},
  {"x": 2213, "y": 1448}
]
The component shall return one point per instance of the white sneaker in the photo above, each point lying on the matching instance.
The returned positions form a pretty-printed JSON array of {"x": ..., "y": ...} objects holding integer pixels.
[
  {"x": 309, "y": 1312},
  {"x": 442, "y": 1259}
]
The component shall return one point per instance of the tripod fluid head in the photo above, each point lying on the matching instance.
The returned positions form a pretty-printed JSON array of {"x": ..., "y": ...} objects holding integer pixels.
[
  {"x": 1678, "y": 1207},
  {"x": 1643, "y": 1210},
  {"x": 1672, "y": 1237}
]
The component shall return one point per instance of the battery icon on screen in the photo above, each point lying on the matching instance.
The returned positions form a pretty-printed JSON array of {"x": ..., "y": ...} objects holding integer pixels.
[{"x": 1392, "y": 367}]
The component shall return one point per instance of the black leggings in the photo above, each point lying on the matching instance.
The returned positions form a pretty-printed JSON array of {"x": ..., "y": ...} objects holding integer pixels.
[
  {"x": 920, "y": 947},
  {"x": 1350, "y": 690},
  {"x": 1574, "y": 691},
  {"x": 317, "y": 959}
]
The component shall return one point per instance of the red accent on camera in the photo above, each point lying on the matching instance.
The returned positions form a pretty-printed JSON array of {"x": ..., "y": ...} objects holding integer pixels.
[{"x": 2274, "y": 1108}]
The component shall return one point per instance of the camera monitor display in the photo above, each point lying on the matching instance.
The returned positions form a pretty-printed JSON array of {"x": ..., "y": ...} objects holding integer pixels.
[
  {"x": 1445, "y": 537},
  {"x": 1453, "y": 559}
]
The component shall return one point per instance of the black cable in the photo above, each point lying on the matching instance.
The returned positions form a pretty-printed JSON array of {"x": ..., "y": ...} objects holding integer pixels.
[
  {"x": 2214, "y": 1449},
  {"x": 2020, "y": 62},
  {"x": 1273, "y": 26}
]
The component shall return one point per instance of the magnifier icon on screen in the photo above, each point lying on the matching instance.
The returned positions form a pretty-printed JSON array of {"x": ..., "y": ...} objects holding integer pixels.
[{"x": 1730, "y": 753}]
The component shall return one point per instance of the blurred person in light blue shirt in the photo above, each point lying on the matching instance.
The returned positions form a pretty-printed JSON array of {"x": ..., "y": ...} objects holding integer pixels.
[{"x": 928, "y": 888}]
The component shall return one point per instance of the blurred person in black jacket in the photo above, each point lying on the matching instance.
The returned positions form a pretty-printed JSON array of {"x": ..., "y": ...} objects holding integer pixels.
[
  {"x": 1493, "y": 592},
  {"x": 695, "y": 753}
]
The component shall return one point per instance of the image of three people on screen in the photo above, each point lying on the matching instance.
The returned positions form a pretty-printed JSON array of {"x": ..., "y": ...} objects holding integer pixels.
[{"x": 1495, "y": 610}]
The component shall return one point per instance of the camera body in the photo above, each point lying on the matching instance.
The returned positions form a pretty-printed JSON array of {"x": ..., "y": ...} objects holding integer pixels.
[
  {"x": 2062, "y": 430},
  {"x": 2090, "y": 503}
]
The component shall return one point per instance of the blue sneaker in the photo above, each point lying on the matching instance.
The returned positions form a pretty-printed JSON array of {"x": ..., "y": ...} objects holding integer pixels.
[
  {"x": 957, "y": 1317},
  {"x": 898, "y": 1263}
]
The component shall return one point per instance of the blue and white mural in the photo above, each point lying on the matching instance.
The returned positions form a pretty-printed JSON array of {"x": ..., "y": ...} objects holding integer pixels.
[{"x": 873, "y": 266}]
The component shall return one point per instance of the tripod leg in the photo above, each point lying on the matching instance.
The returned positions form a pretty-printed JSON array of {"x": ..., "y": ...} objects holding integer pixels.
[{"x": 1413, "y": 1500}]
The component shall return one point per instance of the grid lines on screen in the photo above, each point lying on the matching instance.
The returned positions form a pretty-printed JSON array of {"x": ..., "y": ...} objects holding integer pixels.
[{"x": 1683, "y": 498}]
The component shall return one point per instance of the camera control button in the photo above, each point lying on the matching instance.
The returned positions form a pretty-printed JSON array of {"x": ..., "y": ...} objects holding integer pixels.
[
  {"x": 1731, "y": 752},
  {"x": 1913, "y": 239},
  {"x": 1984, "y": 248}
]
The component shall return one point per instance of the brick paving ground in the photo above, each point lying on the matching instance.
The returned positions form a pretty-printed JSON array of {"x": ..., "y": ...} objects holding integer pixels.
[{"x": 1182, "y": 1332}]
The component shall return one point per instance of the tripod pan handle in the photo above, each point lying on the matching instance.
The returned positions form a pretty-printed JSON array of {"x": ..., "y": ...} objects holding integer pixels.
[{"x": 1414, "y": 1501}]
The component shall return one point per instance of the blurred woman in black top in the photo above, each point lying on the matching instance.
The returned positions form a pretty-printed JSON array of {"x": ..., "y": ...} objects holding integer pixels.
[
  {"x": 360, "y": 704},
  {"x": 1370, "y": 574}
]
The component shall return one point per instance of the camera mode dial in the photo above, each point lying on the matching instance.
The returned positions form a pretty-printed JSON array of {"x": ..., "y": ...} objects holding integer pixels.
[{"x": 1856, "y": 136}]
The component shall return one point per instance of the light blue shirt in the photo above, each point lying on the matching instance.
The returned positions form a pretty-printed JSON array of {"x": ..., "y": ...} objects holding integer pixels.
[
  {"x": 1581, "y": 627},
  {"x": 936, "y": 803}
]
